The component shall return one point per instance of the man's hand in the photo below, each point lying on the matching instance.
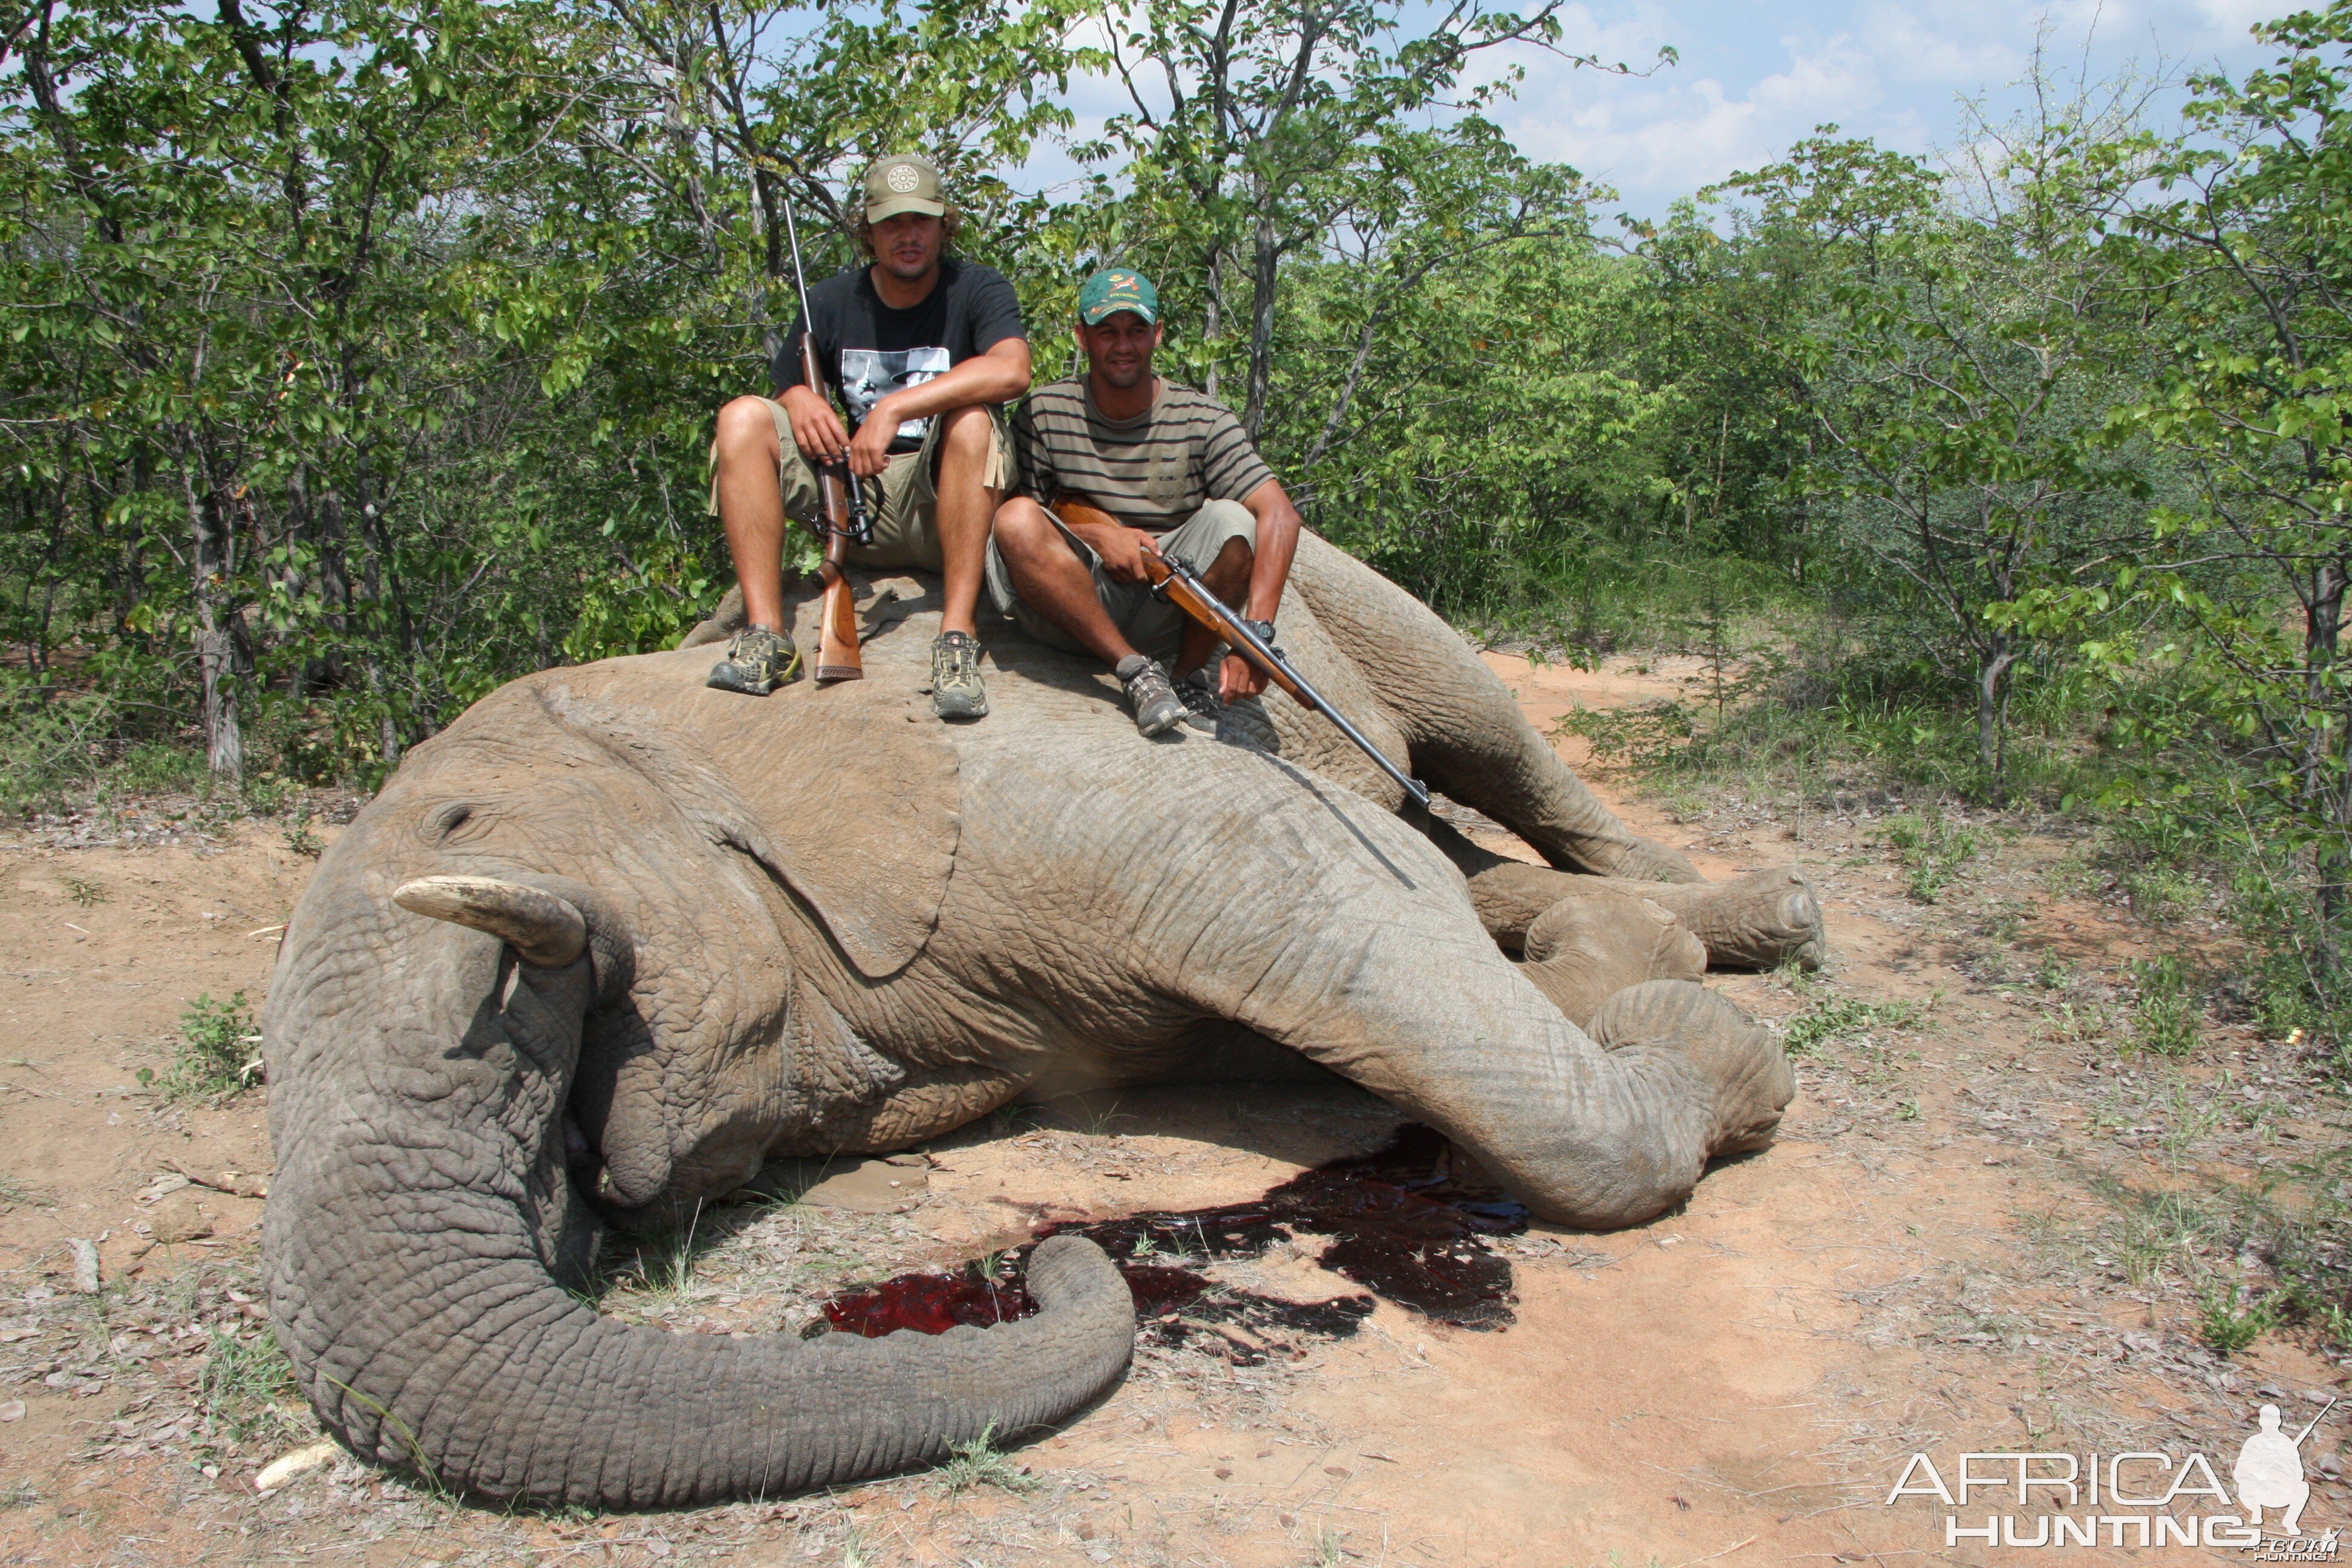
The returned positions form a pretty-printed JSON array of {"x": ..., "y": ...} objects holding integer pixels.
[
  {"x": 816, "y": 430},
  {"x": 870, "y": 449},
  {"x": 1122, "y": 550},
  {"x": 1239, "y": 680}
]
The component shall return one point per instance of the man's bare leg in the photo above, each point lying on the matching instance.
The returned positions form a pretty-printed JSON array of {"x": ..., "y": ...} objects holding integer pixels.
[
  {"x": 751, "y": 507},
  {"x": 964, "y": 508},
  {"x": 1053, "y": 581},
  {"x": 1228, "y": 578}
]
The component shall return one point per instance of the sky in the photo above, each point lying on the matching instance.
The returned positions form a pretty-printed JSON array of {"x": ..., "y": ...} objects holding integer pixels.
[{"x": 1753, "y": 78}]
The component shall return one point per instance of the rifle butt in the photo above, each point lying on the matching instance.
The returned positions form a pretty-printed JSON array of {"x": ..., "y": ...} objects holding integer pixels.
[{"x": 837, "y": 655}]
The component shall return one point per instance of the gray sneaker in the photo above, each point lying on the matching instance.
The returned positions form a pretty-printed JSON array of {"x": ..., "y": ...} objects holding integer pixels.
[
  {"x": 1202, "y": 707},
  {"x": 757, "y": 662},
  {"x": 1157, "y": 707},
  {"x": 956, "y": 689}
]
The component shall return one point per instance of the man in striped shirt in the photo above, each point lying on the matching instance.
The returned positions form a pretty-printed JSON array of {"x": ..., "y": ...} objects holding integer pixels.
[{"x": 1180, "y": 477}]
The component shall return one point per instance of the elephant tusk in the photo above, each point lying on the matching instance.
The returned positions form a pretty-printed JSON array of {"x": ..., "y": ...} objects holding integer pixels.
[{"x": 542, "y": 928}]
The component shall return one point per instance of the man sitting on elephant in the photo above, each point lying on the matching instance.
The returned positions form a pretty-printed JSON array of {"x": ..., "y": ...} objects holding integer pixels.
[
  {"x": 926, "y": 349},
  {"x": 1180, "y": 478}
]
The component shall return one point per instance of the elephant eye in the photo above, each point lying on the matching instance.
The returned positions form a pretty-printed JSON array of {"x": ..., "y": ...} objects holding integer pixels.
[{"x": 446, "y": 824}]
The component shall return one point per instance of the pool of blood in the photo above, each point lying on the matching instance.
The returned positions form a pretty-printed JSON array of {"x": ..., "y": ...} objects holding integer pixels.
[{"x": 1409, "y": 1222}]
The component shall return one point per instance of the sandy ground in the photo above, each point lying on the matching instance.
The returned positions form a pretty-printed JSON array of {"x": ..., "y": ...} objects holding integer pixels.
[{"x": 1968, "y": 1239}]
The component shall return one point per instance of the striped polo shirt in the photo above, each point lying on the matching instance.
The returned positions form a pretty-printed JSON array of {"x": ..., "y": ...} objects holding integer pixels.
[{"x": 1152, "y": 471}]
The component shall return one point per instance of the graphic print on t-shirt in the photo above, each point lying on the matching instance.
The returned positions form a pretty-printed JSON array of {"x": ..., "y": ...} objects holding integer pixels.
[{"x": 867, "y": 375}]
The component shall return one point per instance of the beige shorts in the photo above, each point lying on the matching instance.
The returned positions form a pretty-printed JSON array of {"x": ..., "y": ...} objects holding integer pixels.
[
  {"x": 906, "y": 520},
  {"x": 1151, "y": 622}
]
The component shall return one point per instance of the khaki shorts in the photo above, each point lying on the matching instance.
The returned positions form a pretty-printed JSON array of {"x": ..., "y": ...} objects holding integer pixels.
[
  {"x": 906, "y": 520},
  {"x": 1151, "y": 622}
]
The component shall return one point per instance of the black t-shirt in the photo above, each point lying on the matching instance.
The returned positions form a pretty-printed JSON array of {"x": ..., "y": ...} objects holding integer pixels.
[{"x": 869, "y": 348}]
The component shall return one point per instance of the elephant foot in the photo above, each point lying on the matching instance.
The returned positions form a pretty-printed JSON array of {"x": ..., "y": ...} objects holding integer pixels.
[
  {"x": 1758, "y": 921},
  {"x": 1749, "y": 1075},
  {"x": 1594, "y": 944}
]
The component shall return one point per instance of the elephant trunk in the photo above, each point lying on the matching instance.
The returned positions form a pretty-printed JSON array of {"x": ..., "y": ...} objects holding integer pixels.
[{"x": 422, "y": 1224}]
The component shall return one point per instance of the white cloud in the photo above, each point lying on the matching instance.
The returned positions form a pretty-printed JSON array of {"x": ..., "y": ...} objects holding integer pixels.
[
  {"x": 2235, "y": 17},
  {"x": 1752, "y": 80},
  {"x": 1678, "y": 131}
]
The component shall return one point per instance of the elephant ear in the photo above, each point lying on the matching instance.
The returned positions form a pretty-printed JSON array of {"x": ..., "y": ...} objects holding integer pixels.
[{"x": 847, "y": 795}]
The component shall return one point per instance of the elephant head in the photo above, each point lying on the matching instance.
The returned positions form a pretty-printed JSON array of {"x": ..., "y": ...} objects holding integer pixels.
[{"x": 474, "y": 1056}]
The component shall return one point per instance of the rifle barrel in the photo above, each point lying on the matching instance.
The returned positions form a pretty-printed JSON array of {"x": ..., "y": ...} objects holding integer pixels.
[
  {"x": 1257, "y": 652},
  {"x": 1218, "y": 617}
]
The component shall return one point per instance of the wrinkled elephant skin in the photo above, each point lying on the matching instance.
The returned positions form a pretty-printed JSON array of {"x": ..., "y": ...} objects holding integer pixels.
[{"x": 613, "y": 939}]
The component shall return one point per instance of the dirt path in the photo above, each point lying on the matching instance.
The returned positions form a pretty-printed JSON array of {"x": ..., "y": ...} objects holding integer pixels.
[{"x": 1972, "y": 1237}]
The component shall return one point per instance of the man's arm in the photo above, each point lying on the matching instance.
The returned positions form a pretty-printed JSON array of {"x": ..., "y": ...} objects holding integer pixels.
[
  {"x": 817, "y": 429},
  {"x": 1277, "y": 541},
  {"x": 1000, "y": 376}
]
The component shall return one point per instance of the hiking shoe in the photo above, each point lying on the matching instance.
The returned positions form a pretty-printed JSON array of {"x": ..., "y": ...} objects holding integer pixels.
[
  {"x": 956, "y": 690},
  {"x": 1202, "y": 707},
  {"x": 757, "y": 662},
  {"x": 1155, "y": 702}
]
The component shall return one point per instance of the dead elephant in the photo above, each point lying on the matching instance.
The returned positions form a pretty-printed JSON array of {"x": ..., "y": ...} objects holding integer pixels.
[{"x": 612, "y": 940}]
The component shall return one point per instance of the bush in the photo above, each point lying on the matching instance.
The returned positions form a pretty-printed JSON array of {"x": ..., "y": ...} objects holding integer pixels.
[
  {"x": 219, "y": 1052},
  {"x": 48, "y": 744},
  {"x": 2229, "y": 1328}
]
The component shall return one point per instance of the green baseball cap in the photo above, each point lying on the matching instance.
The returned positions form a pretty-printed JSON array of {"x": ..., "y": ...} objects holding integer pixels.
[
  {"x": 902, "y": 183},
  {"x": 1117, "y": 288}
]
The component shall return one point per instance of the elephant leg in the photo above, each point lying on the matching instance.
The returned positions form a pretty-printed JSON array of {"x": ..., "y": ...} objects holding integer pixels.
[
  {"x": 1600, "y": 1130},
  {"x": 1466, "y": 734},
  {"x": 1758, "y": 921},
  {"x": 1586, "y": 949},
  {"x": 1753, "y": 1078},
  {"x": 1312, "y": 918},
  {"x": 1407, "y": 996}
]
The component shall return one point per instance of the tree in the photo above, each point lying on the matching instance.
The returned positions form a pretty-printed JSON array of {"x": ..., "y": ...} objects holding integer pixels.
[
  {"x": 1254, "y": 128},
  {"x": 1954, "y": 376},
  {"x": 2245, "y": 259}
]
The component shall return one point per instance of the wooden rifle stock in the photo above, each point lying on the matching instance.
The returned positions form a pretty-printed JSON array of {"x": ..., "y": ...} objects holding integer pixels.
[
  {"x": 1177, "y": 583},
  {"x": 837, "y": 656}
]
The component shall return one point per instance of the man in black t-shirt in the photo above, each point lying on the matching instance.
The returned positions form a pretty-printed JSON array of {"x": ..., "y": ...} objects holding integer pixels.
[{"x": 926, "y": 350}]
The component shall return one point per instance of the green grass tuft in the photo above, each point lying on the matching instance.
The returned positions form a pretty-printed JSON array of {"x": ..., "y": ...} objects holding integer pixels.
[
  {"x": 2168, "y": 1018},
  {"x": 301, "y": 839},
  {"x": 247, "y": 1388},
  {"x": 981, "y": 1463},
  {"x": 2229, "y": 1328},
  {"x": 1932, "y": 849},
  {"x": 1846, "y": 1017},
  {"x": 219, "y": 1052}
]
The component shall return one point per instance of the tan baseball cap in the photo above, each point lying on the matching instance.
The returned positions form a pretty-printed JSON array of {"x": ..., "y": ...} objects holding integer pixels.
[{"x": 902, "y": 183}]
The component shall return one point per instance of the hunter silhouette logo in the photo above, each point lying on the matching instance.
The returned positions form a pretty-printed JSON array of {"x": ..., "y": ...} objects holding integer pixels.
[
  {"x": 903, "y": 178},
  {"x": 2145, "y": 1498},
  {"x": 2269, "y": 1471}
]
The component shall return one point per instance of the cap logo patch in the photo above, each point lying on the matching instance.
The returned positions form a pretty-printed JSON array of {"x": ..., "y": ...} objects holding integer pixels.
[{"x": 902, "y": 178}]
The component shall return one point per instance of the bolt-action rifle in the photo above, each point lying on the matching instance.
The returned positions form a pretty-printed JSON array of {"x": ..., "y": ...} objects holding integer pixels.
[
  {"x": 1179, "y": 585},
  {"x": 846, "y": 520}
]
